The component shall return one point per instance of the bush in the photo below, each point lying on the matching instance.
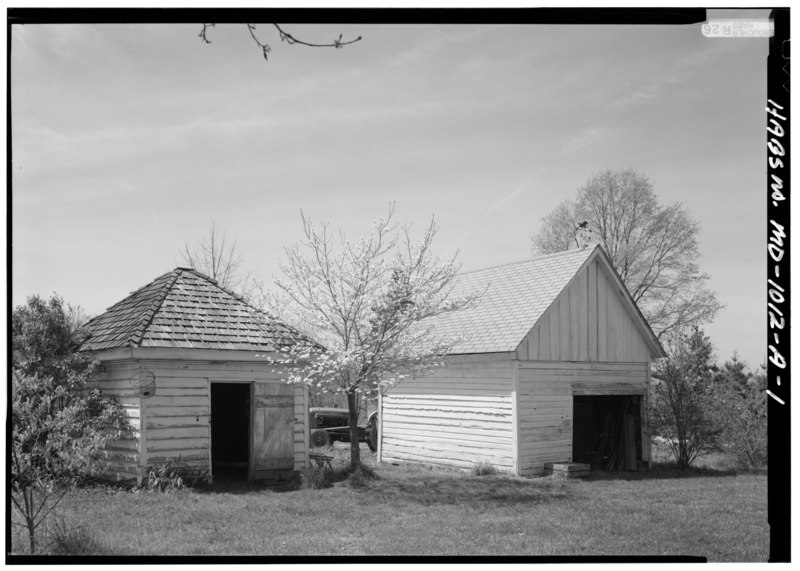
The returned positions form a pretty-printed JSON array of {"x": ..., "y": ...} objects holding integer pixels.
[
  {"x": 741, "y": 409},
  {"x": 484, "y": 469},
  {"x": 59, "y": 420}
]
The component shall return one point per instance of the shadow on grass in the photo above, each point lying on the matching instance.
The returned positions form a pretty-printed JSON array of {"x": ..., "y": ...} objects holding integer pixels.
[
  {"x": 463, "y": 489},
  {"x": 665, "y": 471}
]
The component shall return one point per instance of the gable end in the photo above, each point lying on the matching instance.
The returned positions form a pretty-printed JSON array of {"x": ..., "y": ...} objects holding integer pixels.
[{"x": 593, "y": 319}]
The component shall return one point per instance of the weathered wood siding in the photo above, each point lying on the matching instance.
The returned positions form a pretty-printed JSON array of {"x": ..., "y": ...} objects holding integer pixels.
[
  {"x": 175, "y": 423},
  {"x": 458, "y": 415},
  {"x": 586, "y": 322},
  {"x": 545, "y": 405},
  {"x": 124, "y": 455}
]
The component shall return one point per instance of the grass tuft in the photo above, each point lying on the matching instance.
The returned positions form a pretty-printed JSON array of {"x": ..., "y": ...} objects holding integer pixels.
[
  {"x": 484, "y": 469},
  {"x": 65, "y": 538}
]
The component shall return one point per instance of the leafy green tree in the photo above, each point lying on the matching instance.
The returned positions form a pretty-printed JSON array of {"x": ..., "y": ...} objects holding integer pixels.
[
  {"x": 681, "y": 399},
  {"x": 741, "y": 412},
  {"x": 58, "y": 420},
  {"x": 652, "y": 246}
]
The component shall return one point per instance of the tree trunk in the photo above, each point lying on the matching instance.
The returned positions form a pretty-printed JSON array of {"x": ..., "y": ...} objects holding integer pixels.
[
  {"x": 31, "y": 534},
  {"x": 355, "y": 450}
]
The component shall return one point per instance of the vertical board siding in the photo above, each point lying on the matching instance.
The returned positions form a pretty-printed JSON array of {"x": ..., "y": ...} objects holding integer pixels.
[
  {"x": 591, "y": 292},
  {"x": 587, "y": 322},
  {"x": 602, "y": 319},
  {"x": 176, "y": 423},
  {"x": 563, "y": 329},
  {"x": 545, "y": 400},
  {"x": 458, "y": 415}
]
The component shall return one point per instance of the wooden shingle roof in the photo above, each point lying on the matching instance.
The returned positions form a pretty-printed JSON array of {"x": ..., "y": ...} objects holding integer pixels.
[
  {"x": 186, "y": 309},
  {"x": 514, "y": 297}
]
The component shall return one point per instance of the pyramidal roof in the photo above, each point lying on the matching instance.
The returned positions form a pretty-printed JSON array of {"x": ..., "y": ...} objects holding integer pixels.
[
  {"x": 186, "y": 309},
  {"x": 514, "y": 297}
]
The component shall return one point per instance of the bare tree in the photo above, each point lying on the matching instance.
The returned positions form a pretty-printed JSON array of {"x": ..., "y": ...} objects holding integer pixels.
[
  {"x": 372, "y": 305},
  {"x": 284, "y": 36},
  {"x": 652, "y": 247},
  {"x": 219, "y": 259}
]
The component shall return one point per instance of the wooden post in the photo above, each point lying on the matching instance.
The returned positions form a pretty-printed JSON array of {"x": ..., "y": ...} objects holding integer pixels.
[
  {"x": 646, "y": 443},
  {"x": 307, "y": 430},
  {"x": 380, "y": 427},
  {"x": 142, "y": 439},
  {"x": 515, "y": 416}
]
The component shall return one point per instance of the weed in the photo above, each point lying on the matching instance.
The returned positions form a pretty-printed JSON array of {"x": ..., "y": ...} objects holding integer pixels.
[
  {"x": 484, "y": 469},
  {"x": 171, "y": 477},
  {"x": 313, "y": 480}
]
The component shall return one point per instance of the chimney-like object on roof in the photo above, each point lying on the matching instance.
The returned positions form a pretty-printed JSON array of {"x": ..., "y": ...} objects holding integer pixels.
[{"x": 585, "y": 236}]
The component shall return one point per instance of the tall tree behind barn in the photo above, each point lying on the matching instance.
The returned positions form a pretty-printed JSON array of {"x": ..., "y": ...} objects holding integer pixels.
[{"x": 652, "y": 247}]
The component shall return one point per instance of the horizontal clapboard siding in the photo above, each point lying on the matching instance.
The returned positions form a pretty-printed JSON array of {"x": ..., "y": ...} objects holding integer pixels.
[
  {"x": 174, "y": 423},
  {"x": 545, "y": 401},
  {"x": 458, "y": 415},
  {"x": 588, "y": 321}
]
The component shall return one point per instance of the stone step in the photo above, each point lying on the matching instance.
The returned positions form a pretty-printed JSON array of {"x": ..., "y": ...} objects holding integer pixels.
[{"x": 567, "y": 469}]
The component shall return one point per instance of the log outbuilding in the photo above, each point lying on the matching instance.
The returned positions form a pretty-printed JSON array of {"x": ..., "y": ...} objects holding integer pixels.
[
  {"x": 188, "y": 361},
  {"x": 554, "y": 367}
]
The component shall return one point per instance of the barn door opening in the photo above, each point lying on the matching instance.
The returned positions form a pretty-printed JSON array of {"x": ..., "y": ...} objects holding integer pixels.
[
  {"x": 230, "y": 431},
  {"x": 273, "y": 432},
  {"x": 607, "y": 431}
]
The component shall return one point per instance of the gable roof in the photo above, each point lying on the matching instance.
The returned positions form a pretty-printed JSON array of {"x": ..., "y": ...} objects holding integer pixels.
[
  {"x": 186, "y": 309},
  {"x": 516, "y": 295}
]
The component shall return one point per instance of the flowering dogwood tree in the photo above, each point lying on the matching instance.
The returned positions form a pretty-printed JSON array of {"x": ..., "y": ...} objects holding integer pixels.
[{"x": 371, "y": 306}]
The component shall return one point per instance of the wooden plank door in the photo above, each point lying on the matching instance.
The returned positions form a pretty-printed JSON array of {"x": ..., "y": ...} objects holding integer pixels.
[{"x": 273, "y": 429}]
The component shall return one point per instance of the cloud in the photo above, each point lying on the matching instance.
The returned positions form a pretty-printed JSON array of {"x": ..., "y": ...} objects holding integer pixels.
[
  {"x": 638, "y": 96},
  {"x": 583, "y": 139}
]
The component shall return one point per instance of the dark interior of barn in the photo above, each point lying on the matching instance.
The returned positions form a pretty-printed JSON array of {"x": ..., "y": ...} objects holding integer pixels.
[
  {"x": 607, "y": 432},
  {"x": 230, "y": 430}
]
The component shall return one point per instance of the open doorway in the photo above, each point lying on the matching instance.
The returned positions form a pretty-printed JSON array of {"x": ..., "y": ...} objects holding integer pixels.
[
  {"x": 230, "y": 431},
  {"x": 607, "y": 431}
]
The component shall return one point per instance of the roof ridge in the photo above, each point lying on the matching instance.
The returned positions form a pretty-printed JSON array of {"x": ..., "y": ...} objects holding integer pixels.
[
  {"x": 237, "y": 296},
  {"x": 198, "y": 273},
  {"x": 527, "y": 260},
  {"x": 263, "y": 317},
  {"x": 153, "y": 309}
]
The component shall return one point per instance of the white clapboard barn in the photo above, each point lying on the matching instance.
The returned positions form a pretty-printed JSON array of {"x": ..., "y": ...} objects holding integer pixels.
[
  {"x": 554, "y": 367},
  {"x": 188, "y": 361}
]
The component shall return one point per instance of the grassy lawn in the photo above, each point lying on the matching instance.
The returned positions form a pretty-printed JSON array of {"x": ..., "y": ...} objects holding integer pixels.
[{"x": 414, "y": 510}]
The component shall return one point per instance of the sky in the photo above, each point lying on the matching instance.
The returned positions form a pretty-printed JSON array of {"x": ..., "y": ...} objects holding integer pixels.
[{"x": 130, "y": 140}]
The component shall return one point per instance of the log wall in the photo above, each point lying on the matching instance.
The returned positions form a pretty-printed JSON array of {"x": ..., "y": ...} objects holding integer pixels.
[
  {"x": 174, "y": 423},
  {"x": 124, "y": 455}
]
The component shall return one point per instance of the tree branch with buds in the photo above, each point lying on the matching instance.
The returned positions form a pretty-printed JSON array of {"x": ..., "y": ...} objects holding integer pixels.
[{"x": 284, "y": 36}]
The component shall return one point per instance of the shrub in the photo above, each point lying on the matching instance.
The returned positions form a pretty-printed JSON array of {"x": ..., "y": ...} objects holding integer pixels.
[
  {"x": 741, "y": 409},
  {"x": 59, "y": 421},
  {"x": 681, "y": 402},
  {"x": 484, "y": 469}
]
